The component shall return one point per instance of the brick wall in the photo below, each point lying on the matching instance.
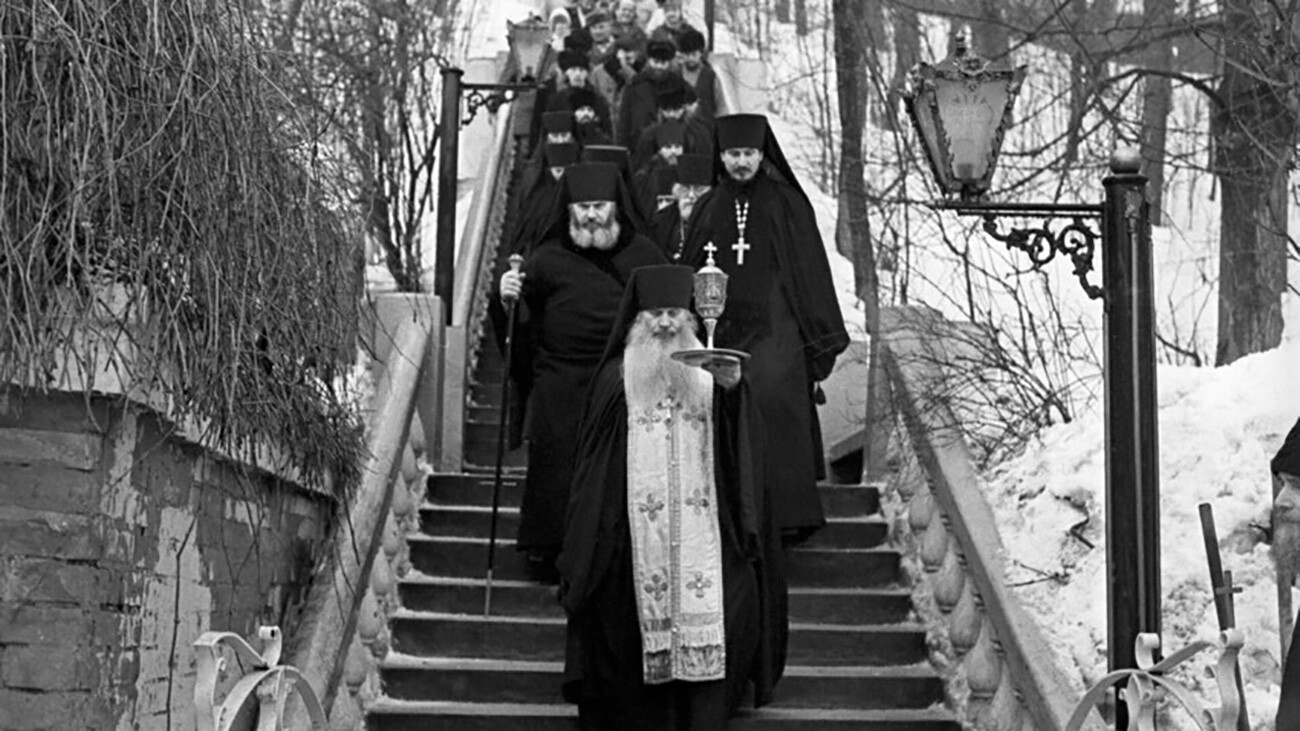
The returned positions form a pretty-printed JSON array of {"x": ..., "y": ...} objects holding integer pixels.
[{"x": 119, "y": 544}]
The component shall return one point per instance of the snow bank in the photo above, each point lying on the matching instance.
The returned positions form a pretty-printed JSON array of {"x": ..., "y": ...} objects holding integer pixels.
[{"x": 1218, "y": 429}]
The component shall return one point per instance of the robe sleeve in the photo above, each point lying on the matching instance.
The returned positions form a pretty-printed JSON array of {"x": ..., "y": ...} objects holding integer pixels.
[
  {"x": 596, "y": 510},
  {"x": 811, "y": 286}
]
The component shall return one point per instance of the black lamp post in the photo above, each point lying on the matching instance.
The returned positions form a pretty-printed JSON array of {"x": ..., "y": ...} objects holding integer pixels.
[
  {"x": 528, "y": 43},
  {"x": 960, "y": 109}
]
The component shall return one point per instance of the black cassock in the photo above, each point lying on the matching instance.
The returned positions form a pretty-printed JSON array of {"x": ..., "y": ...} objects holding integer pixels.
[
  {"x": 570, "y": 301},
  {"x": 782, "y": 310},
  {"x": 666, "y": 227},
  {"x": 603, "y": 658}
]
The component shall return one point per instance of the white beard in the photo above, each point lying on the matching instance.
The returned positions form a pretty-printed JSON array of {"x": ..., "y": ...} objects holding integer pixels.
[
  {"x": 601, "y": 238},
  {"x": 650, "y": 374},
  {"x": 1286, "y": 546}
]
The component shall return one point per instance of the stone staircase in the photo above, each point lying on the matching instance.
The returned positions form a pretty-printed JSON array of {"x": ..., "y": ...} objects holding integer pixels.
[{"x": 856, "y": 658}]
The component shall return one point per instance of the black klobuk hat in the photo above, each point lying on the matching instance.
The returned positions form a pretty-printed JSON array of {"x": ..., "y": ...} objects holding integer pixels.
[
  {"x": 741, "y": 130},
  {"x": 592, "y": 181}
]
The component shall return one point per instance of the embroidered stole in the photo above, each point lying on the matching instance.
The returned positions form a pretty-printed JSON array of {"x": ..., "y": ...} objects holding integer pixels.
[{"x": 676, "y": 542}]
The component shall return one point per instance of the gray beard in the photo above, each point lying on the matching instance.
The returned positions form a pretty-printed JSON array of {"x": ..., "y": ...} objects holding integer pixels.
[
  {"x": 601, "y": 239},
  {"x": 650, "y": 374},
  {"x": 1286, "y": 546},
  {"x": 685, "y": 209}
]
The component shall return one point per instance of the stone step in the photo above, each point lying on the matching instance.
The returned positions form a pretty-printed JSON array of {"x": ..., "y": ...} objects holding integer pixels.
[
  {"x": 526, "y": 598},
  {"x": 541, "y": 638},
  {"x": 387, "y": 714},
  {"x": 465, "y": 596},
  {"x": 467, "y": 521},
  {"x": 807, "y": 567},
  {"x": 480, "y": 453},
  {"x": 475, "y": 521},
  {"x": 512, "y": 681},
  {"x": 848, "y": 501},
  {"x": 866, "y": 531},
  {"x": 843, "y": 567},
  {"x": 466, "y": 558},
  {"x": 474, "y": 488}
]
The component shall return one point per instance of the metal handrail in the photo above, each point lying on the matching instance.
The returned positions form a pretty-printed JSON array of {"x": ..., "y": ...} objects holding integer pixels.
[{"x": 472, "y": 242}]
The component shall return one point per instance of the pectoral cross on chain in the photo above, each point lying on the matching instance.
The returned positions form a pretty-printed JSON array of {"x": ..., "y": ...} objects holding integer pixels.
[{"x": 740, "y": 247}]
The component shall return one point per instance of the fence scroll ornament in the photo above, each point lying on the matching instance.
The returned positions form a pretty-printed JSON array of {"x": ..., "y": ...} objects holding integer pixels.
[
  {"x": 264, "y": 679},
  {"x": 1148, "y": 685}
]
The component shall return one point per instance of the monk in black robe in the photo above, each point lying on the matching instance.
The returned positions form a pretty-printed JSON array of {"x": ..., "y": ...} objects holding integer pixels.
[
  {"x": 671, "y": 570},
  {"x": 694, "y": 179},
  {"x": 781, "y": 304},
  {"x": 569, "y": 292},
  {"x": 539, "y": 192},
  {"x": 1286, "y": 554}
]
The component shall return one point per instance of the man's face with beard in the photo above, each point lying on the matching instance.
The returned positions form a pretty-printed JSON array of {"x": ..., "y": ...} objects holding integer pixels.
[
  {"x": 649, "y": 371},
  {"x": 558, "y": 138},
  {"x": 593, "y": 224},
  {"x": 691, "y": 61},
  {"x": 1286, "y": 525},
  {"x": 658, "y": 69},
  {"x": 742, "y": 162},
  {"x": 557, "y": 172}
]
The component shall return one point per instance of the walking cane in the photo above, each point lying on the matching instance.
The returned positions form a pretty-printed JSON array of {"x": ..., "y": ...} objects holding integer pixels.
[{"x": 516, "y": 261}]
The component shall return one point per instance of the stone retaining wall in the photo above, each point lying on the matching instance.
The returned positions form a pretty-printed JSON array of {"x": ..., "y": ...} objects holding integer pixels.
[{"x": 120, "y": 543}]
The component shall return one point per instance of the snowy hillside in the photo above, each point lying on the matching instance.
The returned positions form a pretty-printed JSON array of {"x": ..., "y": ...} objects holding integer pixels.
[{"x": 1218, "y": 429}]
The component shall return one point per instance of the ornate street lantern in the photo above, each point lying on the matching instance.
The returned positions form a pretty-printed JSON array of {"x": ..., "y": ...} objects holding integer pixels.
[
  {"x": 528, "y": 41},
  {"x": 961, "y": 109}
]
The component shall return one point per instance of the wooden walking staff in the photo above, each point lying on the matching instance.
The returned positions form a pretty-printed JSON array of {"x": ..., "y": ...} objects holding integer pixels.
[
  {"x": 516, "y": 262},
  {"x": 1221, "y": 582}
]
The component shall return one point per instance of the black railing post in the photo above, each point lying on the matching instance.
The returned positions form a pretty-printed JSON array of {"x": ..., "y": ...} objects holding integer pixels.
[
  {"x": 1132, "y": 468},
  {"x": 448, "y": 165}
]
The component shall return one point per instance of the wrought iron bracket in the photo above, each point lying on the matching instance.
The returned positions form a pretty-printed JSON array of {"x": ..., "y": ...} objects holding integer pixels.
[
  {"x": 1077, "y": 239},
  {"x": 492, "y": 96}
]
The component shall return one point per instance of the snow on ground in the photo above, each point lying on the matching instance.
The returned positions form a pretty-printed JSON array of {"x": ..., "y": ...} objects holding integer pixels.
[{"x": 1218, "y": 429}]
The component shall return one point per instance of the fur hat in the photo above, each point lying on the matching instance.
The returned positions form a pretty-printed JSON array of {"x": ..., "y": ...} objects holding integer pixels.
[
  {"x": 571, "y": 59},
  {"x": 579, "y": 40},
  {"x": 661, "y": 50},
  {"x": 691, "y": 41},
  {"x": 672, "y": 96}
]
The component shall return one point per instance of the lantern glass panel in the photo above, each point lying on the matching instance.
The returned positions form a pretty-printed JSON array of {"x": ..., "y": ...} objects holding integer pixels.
[
  {"x": 528, "y": 41},
  {"x": 971, "y": 112}
]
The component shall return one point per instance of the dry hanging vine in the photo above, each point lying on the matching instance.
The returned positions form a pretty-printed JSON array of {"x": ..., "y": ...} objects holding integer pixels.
[{"x": 159, "y": 189}]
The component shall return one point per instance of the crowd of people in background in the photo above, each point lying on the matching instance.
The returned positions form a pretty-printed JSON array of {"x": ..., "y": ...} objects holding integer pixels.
[{"x": 627, "y": 73}]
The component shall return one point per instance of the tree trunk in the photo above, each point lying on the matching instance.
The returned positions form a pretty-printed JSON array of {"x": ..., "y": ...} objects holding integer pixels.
[
  {"x": 1254, "y": 136},
  {"x": 801, "y": 17},
  {"x": 783, "y": 11},
  {"x": 853, "y": 229},
  {"x": 907, "y": 51},
  {"x": 1157, "y": 99}
]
